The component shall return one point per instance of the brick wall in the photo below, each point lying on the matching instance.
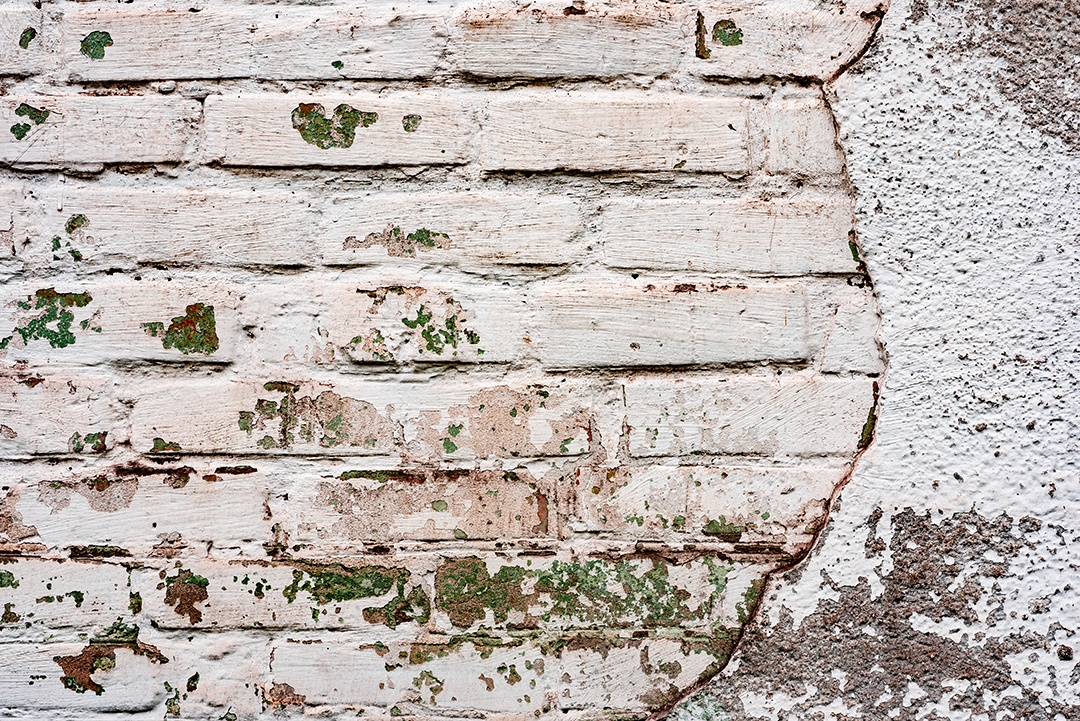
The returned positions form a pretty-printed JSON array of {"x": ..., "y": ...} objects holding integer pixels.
[{"x": 422, "y": 359}]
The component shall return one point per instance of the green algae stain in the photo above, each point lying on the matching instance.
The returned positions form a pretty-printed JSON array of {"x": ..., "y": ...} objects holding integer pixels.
[
  {"x": 163, "y": 446},
  {"x": 724, "y": 530},
  {"x": 37, "y": 116},
  {"x": 8, "y": 580},
  {"x": 27, "y": 37},
  {"x": 337, "y": 131},
  {"x": 727, "y": 33},
  {"x": 398, "y": 243},
  {"x": 93, "y": 45},
  {"x": 338, "y": 65},
  {"x": 411, "y": 123},
  {"x": 193, "y": 332},
  {"x": 90, "y": 443},
  {"x": 439, "y": 505},
  {"x": 337, "y": 583},
  {"x": 75, "y": 222},
  {"x": 53, "y": 308}
]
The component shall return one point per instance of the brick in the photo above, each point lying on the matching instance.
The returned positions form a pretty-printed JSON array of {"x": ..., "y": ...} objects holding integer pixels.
[
  {"x": 59, "y": 595},
  {"x": 94, "y": 130},
  {"x": 498, "y": 39},
  {"x": 793, "y": 38},
  {"x": 640, "y": 324},
  {"x": 771, "y": 509},
  {"x": 601, "y": 131},
  {"x": 852, "y": 345},
  {"x": 378, "y": 41},
  {"x": 153, "y": 507},
  {"x": 802, "y": 136},
  {"x": 781, "y": 236},
  {"x": 324, "y": 514},
  {"x": 98, "y": 321},
  {"x": 791, "y": 415},
  {"x": 356, "y": 417},
  {"x": 384, "y": 322},
  {"x": 175, "y": 226},
  {"x": 42, "y": 414},
  {"x": 258, "y": 130},
  {"x": 481, "y": 229},
  {"x": 16, "y": 60}
]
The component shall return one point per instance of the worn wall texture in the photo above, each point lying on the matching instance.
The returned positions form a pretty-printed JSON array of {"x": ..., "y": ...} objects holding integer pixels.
[
  {"x": 944, "y": 586},
  {"x": 491, "y": 359}
]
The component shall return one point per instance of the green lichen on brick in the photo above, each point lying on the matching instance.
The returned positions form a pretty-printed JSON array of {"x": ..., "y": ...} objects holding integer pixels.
[
  {"x": 75, "y": 222},
  {"x": 750, "y": 599},
  {"x": 398, "y": 243},
  {"x": 328, "y": 419},
  {"x": 37, "y": 116},
  {"x": 449, "y": 446},
  {"x": 193, "y": 332},
  {"x": 701, "y": 45},
  {"x": 27, "y": 37},
  {"x": 610, "y": 593},
  {"x": 8, "y": 580},
  {"x": 340, "y": 583},
  {"x": 336, "y": 583},
  {"x": 867, "y": 435},
  {"x": 53, "y": 308},
  {"x": 90, "y": 442},
  {"x": 163, "y": 446},
  {"x": 439, "y": 505},
  {"x": 337, "y": 131},
  {"x": 727, "y": 33},
  {"x": 437, "y": 338},
  {"x": 93, "y": 45},
  {"x": 725, "y": 531},
  {"x": 338, "y": 65},
  {"x": 411, "y": 123}
]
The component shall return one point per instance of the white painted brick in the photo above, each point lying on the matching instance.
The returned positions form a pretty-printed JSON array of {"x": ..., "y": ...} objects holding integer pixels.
[
  {"x": 14, "y": 59},
  {"x": 585, "y": 324},
  {"x": 802, "y": 136},
  {"x": 42, "y": 413},
  {"x": 60, "y": 594},
  {"x": 778, "y": 236},
  {"x": 600, "y": 131},
  {"x": 175, "y": 226},
  {"x": 24, "y": 664},
  {"x": 489, "y": 227},
  {"x": 772, "y": 505},
  {"x": 378, "y": 40},
  {"x": 148, "y": 508},
  {"x": 792, "y": 415},
  {"x": 90, "y": 130},
  {"x": 112, "y": 323},
  {"x": 786, "y": 38},
  {"x": 499, "y": 39},
  {"x": 257, "y": 129},
  {"x": 332, "y": 511},
  {"x": 852, "y": 345},
  {"x": 380, "y": 418}
]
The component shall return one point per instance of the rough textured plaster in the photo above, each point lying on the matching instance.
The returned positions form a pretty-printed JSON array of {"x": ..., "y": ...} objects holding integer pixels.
[{"x": 944, "y": 585}]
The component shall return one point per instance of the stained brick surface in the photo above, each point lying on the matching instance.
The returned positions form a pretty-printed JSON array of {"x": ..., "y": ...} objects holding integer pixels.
[{"x": 415, "y": 359}]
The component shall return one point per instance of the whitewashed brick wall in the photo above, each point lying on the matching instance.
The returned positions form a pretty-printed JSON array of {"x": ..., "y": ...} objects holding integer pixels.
[{"x": 500, "y": 394}]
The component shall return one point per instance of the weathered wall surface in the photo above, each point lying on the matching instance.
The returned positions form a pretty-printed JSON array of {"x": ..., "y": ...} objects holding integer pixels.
[
  {"x": 945, "y": 584},
  {"x": 416, "y": 359}
]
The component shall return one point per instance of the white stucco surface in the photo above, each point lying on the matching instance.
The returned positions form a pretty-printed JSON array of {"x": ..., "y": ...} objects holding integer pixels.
[{"x": 968, "y": 218}]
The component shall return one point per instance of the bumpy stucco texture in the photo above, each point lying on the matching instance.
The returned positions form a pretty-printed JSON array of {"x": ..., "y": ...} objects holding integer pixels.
[{"x": 944, "y": 586}]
